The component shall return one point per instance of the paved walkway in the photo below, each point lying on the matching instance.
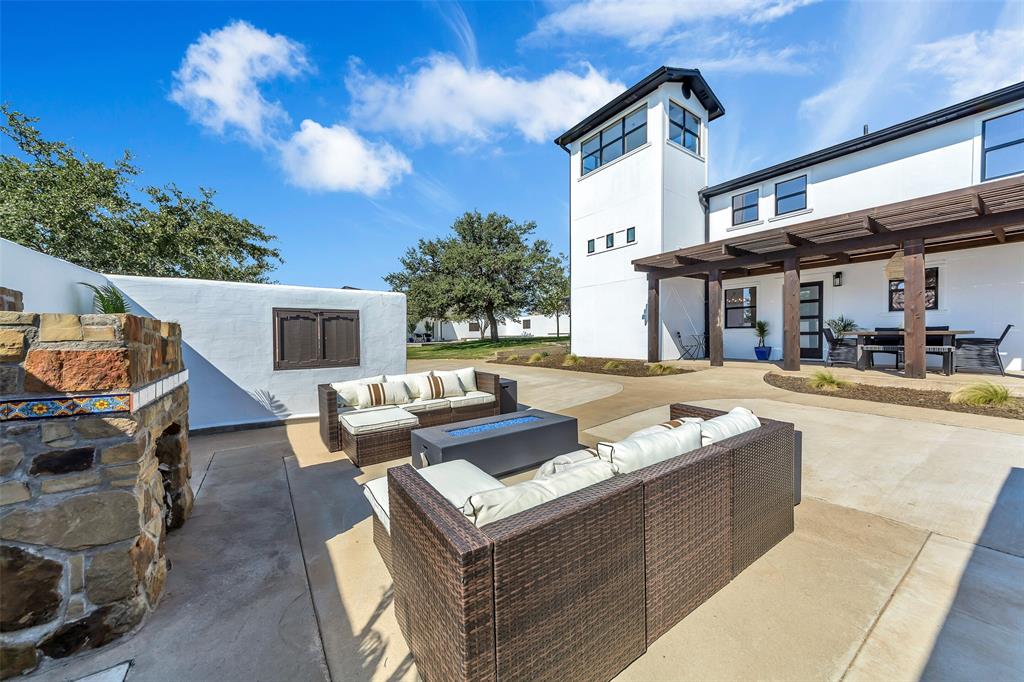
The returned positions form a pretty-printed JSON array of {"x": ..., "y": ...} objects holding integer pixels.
[{"x": 906, "y": 561}]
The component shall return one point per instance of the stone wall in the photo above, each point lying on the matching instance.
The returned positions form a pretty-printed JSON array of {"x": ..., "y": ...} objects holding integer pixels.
[{"x": 94, "y": 470}]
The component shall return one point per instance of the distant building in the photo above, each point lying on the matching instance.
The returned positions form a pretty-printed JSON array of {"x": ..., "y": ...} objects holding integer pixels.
[{"x": 527, "y": 325}]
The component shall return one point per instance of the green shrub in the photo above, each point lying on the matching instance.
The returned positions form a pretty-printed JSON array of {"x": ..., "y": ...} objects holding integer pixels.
[
  {"x": 536, "y": 357},
  {"x": 544, "y": 353},
  {"x": 107, "y": 299},
  {"x": 612, "y": 365},
  {"x": 658, "y": 369},
  {"x": 512, "y": 357},
  {"x": 827, "y": 381},
  {"x": 571, "y": 360},
  {"x": 981, "y": 393}
]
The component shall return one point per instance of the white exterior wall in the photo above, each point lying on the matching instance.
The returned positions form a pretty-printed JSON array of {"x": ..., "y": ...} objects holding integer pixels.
[
  {"x": 653, "y": 186},
  {"x": 980, "y": 289},
  {"x": 939, "y": 159},
  {"x": 49, "y": 285},
  {"x": 227, "y": 338}
]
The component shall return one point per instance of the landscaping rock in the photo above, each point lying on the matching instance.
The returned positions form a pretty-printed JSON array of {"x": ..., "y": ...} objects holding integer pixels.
[
  {"x": 86, "y": 520},
  {"x": 63, "y": 461},
  {"x": 30, "y": 589},
  {"x": 76, "y": 370}
]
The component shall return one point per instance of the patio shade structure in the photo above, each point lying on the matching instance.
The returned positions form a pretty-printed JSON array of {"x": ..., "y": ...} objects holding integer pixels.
[{"x": 981, "y": 215}]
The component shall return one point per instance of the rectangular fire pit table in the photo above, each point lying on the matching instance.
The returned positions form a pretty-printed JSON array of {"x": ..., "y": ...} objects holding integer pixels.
[{"x": 499, "y": 445}]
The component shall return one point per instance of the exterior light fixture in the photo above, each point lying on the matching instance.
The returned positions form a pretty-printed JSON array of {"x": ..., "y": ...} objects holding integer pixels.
[{"x": 837, "y": 279}]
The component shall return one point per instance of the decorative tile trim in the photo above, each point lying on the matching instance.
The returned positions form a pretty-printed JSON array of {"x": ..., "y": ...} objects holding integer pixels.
[
  {"x": 46, "y": 408},
  {"x": 147, "y": 394},
  {"x": 15, "y": 409}
]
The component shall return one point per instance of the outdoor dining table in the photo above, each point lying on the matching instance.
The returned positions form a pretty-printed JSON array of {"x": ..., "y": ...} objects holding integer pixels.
[{"x": 948, "y": 339}]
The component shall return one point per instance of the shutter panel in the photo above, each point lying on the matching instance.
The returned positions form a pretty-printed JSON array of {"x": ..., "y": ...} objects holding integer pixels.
[
  {"x": 295, "y": 339},
  {"x": 340, "y": 334}
]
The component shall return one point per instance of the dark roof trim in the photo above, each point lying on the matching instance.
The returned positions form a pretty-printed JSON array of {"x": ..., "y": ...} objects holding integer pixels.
[
  {"x": 666, "y": 74},
  {"x": 936, "y": 118}
]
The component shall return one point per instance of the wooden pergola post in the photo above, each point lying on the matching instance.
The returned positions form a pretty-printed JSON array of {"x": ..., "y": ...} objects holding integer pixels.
[
  {"x": 653, "y": 318},
  {"x": 791, "y": 314},
  {"x": 715, "y": 352},
  {"x": 913, "y": 309}
]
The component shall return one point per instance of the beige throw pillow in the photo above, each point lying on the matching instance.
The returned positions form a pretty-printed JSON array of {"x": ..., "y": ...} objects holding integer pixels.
[
  {"x": 493, "y": 505},
  {"x": 347, "y": 396},
  {"x": 467, "y": 377}
]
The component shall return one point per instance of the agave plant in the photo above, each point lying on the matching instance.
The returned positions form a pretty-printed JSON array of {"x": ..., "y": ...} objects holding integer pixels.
[
  {"x": 841, "y": 326},
  {"x": 107, "y": 299}
]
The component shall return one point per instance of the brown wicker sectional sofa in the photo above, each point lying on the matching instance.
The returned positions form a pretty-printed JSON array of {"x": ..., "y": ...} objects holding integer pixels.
[
  {"x": 578, "y": 587},
  {"x": 394, "y": 443}
]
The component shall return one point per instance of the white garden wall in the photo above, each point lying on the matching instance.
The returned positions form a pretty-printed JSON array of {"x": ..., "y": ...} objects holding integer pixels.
[
  {"x": 49, "y": 285},
  {"x": 227, "y": 339}
]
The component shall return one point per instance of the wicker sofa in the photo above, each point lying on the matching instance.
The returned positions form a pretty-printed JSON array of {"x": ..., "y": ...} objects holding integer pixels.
[
  {"x": 393, "y": 441},
  {"x": 578, "y": 587}
]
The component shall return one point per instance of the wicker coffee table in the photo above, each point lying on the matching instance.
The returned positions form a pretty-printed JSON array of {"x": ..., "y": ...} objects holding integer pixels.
[{"x": 499, "y": 445}]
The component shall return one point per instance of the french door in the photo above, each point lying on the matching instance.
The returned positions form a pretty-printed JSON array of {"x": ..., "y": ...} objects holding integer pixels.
[{"x": 811, "y": 308}]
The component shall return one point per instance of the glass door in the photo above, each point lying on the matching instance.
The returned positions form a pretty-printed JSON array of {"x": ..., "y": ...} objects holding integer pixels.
[{"x": 811, "y": 320}]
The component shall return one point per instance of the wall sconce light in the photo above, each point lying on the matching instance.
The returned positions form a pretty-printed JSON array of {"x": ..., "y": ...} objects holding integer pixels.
[{"x": 837, "y": 279}]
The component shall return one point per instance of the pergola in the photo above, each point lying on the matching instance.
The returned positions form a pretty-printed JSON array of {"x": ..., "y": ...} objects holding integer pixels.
[{"x": 982, "y": 215}]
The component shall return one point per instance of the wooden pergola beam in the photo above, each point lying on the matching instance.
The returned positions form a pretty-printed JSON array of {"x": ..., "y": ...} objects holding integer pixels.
[
  {"x": 686, "y": 260},
  {"x": 736, "y": 251},
  {"x": 797, "y": 240},
  {"x": 653, "y": 319},
  {"x": 841, "y": 258},
  {"x": 978, "y": 204},
  {"x": 873, "y": 226},
  {"x": 715, "y": 350},
  {"x": 791, "y": 314},
  {"x": 913, "y": 309},
  {"x": 1000, "y": 234}
]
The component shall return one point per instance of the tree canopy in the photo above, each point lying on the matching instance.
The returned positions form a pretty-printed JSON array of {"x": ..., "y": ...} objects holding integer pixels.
[
  {"x": 487, "y": 270},
  {"x": 60, "y": 202},
  {"x": 553, "y": 291}
]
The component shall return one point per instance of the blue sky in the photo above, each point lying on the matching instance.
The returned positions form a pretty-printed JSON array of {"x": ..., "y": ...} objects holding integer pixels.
[{"x": 352, "y": 130}]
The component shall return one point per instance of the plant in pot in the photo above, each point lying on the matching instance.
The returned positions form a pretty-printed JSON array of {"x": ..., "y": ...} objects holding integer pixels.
[{"x": 762, "y": 351}]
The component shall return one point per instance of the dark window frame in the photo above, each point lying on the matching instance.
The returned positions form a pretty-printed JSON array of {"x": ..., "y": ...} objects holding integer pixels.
[
  {"x": 695, "y": 130},
  {"x": 985, "y": 150},
  {"x": 630, "y": 235},
  {"x": 792, "y": 194},
  {"x": 756, "y": 206},
  {"x": 893, "y": 308},
  {"x": 591, "y": 246},
  {"x": 616, "y": 133},
  {"x": 728, "y": 307},
  {"x": 474, "y": 326},
  {"x": 609, "y": 240},
  {"x": 277, "y": 314},
  {"x": 526, "y": 324}
]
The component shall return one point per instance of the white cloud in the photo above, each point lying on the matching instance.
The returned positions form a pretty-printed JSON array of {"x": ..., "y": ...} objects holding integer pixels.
[
  {"x": 974, "y": 63},
  {"x": 444, "y": 101},
  {"x": 218, "y": 81},
  {"x": 747, "y": 59},
  {"x": 456, "y": 20},
  {"x": 339, "y": 159},
  {"x": 641, "y": 23}
]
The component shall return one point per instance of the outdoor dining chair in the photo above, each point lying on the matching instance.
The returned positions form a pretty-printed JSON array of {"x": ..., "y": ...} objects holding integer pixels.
[
  {"x": 981, "y": 354},
  {"x": 840, "y": 351}
]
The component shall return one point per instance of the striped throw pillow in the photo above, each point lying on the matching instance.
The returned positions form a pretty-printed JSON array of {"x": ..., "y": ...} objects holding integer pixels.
[
  {"x": 386, "y": 393},
  {"x": 439, "y": 385}
]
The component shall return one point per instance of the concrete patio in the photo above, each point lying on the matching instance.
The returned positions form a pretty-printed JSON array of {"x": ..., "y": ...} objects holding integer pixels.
[{"x": 906, "y": 562}]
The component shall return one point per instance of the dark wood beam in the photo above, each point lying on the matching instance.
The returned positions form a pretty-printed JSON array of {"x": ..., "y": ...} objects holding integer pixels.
[
  {"x": 987, "y": 222},
  {"x": 791, "y": 314},
  {"x": 979, "y": 205},
  {"x": 687, "y": 260},
  {"x": 873, "y": 226},
  {"x": 653, "y": 319},
  {"x": 715, "y": 351},
  {"x": 1000, "y": 234},
  {"x": 913, "y": 309},
  {"x": 797, "y": 240},
  {"x": 735, "y": 251},
  {"x": 841, "y": 258}
]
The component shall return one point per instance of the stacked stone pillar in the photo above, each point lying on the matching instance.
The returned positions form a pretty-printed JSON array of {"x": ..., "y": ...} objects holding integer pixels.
[{"x": 94, "y": 470}]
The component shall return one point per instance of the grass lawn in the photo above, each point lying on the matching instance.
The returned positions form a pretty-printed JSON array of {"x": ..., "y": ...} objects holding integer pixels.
[{"x": 480, "y": 349}]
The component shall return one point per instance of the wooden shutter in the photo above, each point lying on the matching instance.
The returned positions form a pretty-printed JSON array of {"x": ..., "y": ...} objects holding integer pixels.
[
  {"x": 340, "y": 338},
  {"x": 295, "y": 339}
]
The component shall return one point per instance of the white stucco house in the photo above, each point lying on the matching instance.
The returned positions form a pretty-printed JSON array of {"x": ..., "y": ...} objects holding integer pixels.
[
  {"x": 524, "y": 325},
  {"x": 659, "y": 258}
]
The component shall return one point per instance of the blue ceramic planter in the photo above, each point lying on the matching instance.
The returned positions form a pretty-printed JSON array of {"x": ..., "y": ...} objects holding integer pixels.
[{"x": 763, "y": 352}]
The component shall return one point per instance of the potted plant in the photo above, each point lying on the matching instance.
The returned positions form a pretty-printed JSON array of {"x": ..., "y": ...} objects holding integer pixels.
[{"x": 762, "y": 351}]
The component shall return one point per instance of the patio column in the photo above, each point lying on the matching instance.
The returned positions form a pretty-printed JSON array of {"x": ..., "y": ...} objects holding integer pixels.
[
  {"x": 653, "y": 318},
  {"x": 715, "y": 318},
  {"x": 791, "y": 314},
  {"x": 913, "y": 309}
]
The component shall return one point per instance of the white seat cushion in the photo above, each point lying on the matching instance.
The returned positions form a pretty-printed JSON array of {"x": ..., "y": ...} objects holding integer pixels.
[
  {"x": 738, "y": 420},
  {"x": 562, "y": 462},
  {"x": 347, "y": 396},
  {"x": 421, "y": 405},
  {"x": 455, "y": 480},
  {"x": 664, "y": 426},
  {"x": 492, "y": 505},
  {"x": 471, "y": 398},
  {"x": 411, "y": 382},
  {"x": 643, "y": 451},
  {"x": 358, "y": 422}
]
